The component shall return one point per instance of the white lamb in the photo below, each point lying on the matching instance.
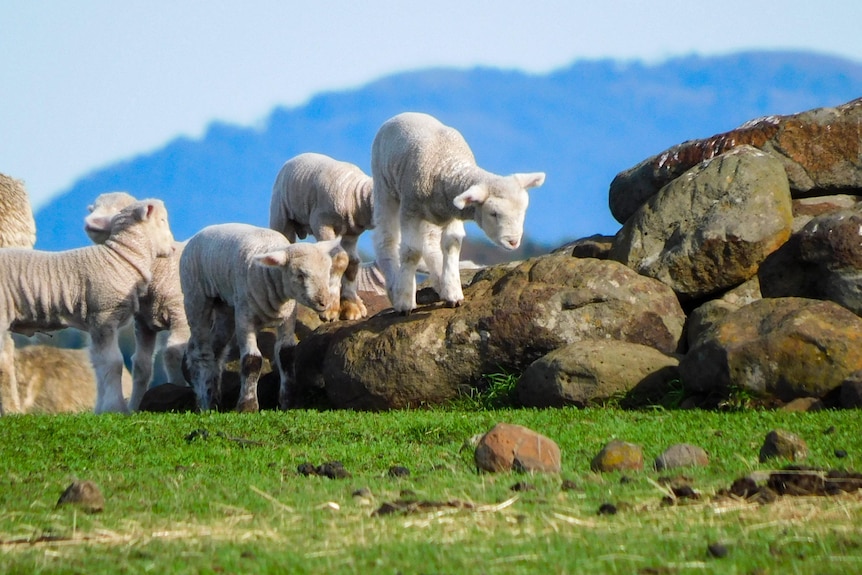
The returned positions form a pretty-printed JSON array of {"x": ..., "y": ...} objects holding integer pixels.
[
  {"x": 238, "y": 278},
  {"x": 318, "y": 195},
  {"x": 160, "y": 308},
  {"x": 95, "y": 289},
  {"x": 17, "y": 230},
  {"x": 426, "y": 184}
]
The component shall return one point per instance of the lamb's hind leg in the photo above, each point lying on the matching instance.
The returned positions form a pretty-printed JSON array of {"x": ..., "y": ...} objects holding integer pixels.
[
  {"x": 108, "y": 365},
  {"x": 404, "y": 291},
  {"x": 387, "y": 238},
  {"x": 285, "y": 346},
  {"x": 200, "y": 356}
]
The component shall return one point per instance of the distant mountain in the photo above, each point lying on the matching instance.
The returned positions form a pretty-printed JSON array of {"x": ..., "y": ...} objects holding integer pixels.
[{"x": 581, "y": 124}]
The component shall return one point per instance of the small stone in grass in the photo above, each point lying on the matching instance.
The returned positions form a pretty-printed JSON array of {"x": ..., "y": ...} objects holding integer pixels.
[
  {"x": 840, "y": 453},
  {"x": 717, "y": 550},
  {"x": 306, "y": 469},
  {"x": 362, "y": 492},
  {"x": 84, "y": 494},
  {"x": 607, "y": 509},
  {"x": 523, "y": 486},
  {"x": 333, "y": 470},
  {"x": 398, "y": 471}
]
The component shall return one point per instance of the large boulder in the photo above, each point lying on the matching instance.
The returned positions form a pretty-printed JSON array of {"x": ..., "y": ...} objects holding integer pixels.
[
  {"x": 593, "y": 372},
  {"x": 512, "y": 316},
  {"x": 777, "y": 348},
  {"x": 823, "y": 260},
  {"x": 821, "y": 151},
  {"x": 710, "y": 229}
]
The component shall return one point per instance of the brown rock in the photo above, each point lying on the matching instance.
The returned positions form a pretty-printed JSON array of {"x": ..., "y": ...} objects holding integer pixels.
[
  {"x": 783, "y": 444},
  {"x": 592, "y": 372},
  {"x": 710, "y": 229},
  {"x": 84, "y": 494},
  {"x": 779, "y": 347},
  {"x": 803, "y": 404},
  {"x": 681, "y": 455},
  {"x": 851, "y": 391},
  {"x": 618, "y": 456},
  {"x": 513, "y": 447},
  {"x": 512, "y": 316},
  {"x": 821, "y": 151}
]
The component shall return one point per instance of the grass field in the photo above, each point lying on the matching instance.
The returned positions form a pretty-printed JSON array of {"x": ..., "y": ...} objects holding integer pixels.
[{"x": 220, "y": 493}]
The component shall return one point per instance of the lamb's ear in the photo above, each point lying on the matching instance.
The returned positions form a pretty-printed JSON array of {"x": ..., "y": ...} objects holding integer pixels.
[
  {"x": 144, "y": 210},
  {"x": 274, "y": 259},
  {"x": 474, "y": 195},
  {"x": 528, "y": 181}
]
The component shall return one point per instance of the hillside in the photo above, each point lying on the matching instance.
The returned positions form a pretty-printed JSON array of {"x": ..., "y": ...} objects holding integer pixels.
[{"x": 581, "y": 124}]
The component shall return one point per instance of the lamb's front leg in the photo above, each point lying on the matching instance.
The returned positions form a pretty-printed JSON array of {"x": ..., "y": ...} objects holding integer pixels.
[
  {"x": 339, "y": 266},
  {"x": 250, "y": 364},
  {"x": 450, "y": 282},
  {"x": 352, "y": 306},
  {"x": 285, "y": 346},
  {"x": 142, "y": 362},
  {"x": 108, "y": 364}
]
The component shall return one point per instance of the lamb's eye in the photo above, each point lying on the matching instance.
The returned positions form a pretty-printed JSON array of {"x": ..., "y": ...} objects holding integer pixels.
[
  {"x": 300, "y": 276},
  {"x": 493, "y": 214}
]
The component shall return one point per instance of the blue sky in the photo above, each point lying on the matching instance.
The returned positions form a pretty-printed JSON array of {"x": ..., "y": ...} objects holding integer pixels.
[{"x": 88, "y": 83}]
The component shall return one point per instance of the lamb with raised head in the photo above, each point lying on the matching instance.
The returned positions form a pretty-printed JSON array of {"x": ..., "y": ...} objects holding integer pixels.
[
  {"x": 17, "y": 230},
  {"x": 426, "y": 184},
  {"x": 159, "y": 309},
  {"x": 94, "y": 289},
  {"x": 238, "y": 278},
  {"x": 318, "y": 195}
]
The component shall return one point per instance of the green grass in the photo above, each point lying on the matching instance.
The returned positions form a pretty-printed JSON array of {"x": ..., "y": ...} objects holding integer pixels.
[{"x": 232, "y": 501}]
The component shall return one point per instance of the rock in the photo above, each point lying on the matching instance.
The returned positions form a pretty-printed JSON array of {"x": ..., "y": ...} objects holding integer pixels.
[
  {"x": 804, "y": 209},
  {"x": 779, "y": 347},
  {"x": 851, "y": 391},
  {"x": 710, "y": 312},
  {"x": 710, "y": 229},
  {"x": 169, "y": 397},
  {"x": 820, "y": 150},
  {"x": 681, "y": 455},
  {"x": 595, "y": 246},
  {"x": 84, "y": 494},
  {"x": 512, "y": 316},
  {"x": 803, "y": 404},
  {"x": 780, "y": 443},
  {"x": 592, "y": 372},
  {"x": 509, "y": 447},
  {"x": 618, "y": 456}
]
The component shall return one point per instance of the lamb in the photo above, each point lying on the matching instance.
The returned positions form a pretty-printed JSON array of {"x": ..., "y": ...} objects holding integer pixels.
[
  {"x": 160, "y": 308},
  {"x": 17, "y": 230},
  {"x": 318, "y": 195},
  {"x": 426, "y": 184},
  {"x": 55, "y": 380},
  {"x": 238, "y": 278},
  {"x": 94, "y": 289}
]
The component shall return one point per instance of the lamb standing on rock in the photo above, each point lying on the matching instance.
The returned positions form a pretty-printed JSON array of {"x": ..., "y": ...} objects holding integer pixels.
[
  {"x": 160, "y": 308},
  {"x": 94, "y": 289},
  {"x": 318, "y": 195},
  {"x": 17, "y": 230},
  {"x": 426, "y": 183},
  {"x": 238, "y": 278}
]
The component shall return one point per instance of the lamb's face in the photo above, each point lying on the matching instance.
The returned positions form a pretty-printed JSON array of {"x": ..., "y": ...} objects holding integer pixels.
[
  {"x": 500, "y": 206},
  {"x": 307, "y": 273},
  {"x": 502, "y": 215}
]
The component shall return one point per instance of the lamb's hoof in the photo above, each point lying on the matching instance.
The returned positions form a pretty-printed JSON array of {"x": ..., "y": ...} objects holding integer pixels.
[
  {"x": 353, "y": 309},
  {"x": 404, "y": 312},
  {"x": 247, "y": 407},
  {"x": 453, "y": 304},
  {"x": 329, "y": 314}
]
